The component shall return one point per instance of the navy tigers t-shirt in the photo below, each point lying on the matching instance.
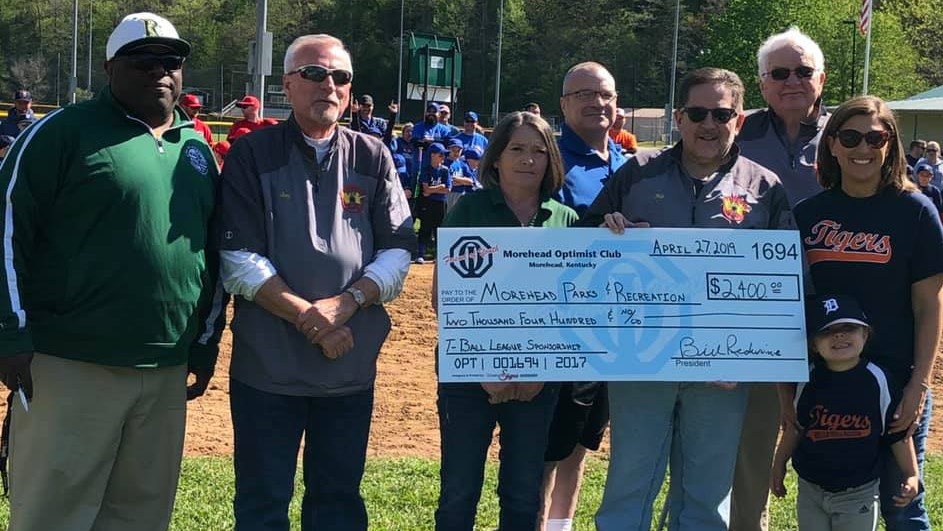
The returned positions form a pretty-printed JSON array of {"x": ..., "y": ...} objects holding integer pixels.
[
  {"x": 874, "y": 249},
  {"x": 844, "y": 417}
]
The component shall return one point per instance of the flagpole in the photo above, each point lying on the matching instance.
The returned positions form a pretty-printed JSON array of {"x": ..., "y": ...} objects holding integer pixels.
[
  {"x": 867, "y": 61},
  {"x": 865, "y": 23}
]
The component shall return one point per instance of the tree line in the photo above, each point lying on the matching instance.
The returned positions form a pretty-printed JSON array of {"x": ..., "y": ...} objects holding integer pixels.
[{"x": 541, "y": 40}]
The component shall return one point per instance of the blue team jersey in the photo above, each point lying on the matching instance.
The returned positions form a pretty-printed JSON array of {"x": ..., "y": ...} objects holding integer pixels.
[
  {"x": 460, "y": 168},
  {"x": 472, "y": 140},
  {"x": 435, "y": 176}
]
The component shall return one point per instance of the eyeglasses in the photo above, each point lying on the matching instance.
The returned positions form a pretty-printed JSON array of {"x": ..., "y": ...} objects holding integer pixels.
[
  {"x": 318, "y": 73},
  {"x": 851, "y": 138},
  {"x": 699, "y": 114},
  {"x": 147, "y": 62},
  {"x": 589, "y": 95},
  {"x": 782, "y": 74},
  {"x": 932, "y": 150}
]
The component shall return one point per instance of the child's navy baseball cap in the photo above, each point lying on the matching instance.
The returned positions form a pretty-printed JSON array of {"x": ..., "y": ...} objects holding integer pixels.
[
  {"x": 827, "y": 310},
  {"x": 472, "y": 153},
  {"x": 438, "y": 148}
]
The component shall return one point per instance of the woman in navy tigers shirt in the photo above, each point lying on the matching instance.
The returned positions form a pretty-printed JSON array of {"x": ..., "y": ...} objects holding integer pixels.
[{"x": 872, "y": 235}]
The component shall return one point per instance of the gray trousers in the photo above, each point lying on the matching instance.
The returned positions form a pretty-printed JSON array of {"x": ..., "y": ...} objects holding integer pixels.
[{"x": 854, "y": 509}]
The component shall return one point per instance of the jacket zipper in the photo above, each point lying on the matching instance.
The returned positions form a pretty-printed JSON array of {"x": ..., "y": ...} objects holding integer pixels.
[{"x": 159, "y": 141}]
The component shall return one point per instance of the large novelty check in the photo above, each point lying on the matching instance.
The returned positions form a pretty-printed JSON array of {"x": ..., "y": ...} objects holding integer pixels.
[{"x": 576, "y": 304}]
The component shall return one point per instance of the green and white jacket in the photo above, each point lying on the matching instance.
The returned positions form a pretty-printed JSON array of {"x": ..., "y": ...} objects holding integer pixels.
[{"x": 104, "y": 239}]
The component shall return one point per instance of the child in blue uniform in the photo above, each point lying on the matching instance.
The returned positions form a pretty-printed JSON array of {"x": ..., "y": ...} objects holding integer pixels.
[
  {"x": 843, "y": 414},
  {"x": 436, "y": 183},
  {"x": 924, "y": 176}
]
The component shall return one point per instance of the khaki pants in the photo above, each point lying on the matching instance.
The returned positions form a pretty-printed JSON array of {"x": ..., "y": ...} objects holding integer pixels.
[
  {"x": 854, "y": 509},
  {"x": 748, "y": 503},
  {"x": 99, "y": 448}
]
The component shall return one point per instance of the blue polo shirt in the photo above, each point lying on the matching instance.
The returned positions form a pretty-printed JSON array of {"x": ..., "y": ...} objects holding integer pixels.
[{"x": 586, "y": 171}]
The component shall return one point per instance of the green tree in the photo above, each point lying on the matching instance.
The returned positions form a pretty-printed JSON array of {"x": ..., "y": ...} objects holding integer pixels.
[{"x": 735, "y": 36}]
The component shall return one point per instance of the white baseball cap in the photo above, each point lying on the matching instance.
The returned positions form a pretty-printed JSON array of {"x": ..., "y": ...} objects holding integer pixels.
[{"x": 141, "y": 29}]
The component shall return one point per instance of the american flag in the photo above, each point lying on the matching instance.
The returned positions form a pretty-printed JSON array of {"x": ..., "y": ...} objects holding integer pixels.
[{"x": 864, "y": 17}]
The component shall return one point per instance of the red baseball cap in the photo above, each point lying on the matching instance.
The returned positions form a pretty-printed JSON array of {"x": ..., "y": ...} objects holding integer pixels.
[
  {"x": 191, "y": 101},
  {"x": 221, "y": 147},
  {"x": 248, "y": 101}
]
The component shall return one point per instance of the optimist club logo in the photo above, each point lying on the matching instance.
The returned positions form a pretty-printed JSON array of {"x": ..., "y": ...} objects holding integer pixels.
[{"x": 471, "y": 256}]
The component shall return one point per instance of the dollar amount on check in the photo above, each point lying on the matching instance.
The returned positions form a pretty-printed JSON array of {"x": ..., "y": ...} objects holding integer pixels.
[{"x": 583, "y": 304}]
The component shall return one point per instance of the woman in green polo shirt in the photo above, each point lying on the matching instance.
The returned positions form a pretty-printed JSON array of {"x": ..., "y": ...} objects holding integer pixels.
[{"x": 521, "y": 171}]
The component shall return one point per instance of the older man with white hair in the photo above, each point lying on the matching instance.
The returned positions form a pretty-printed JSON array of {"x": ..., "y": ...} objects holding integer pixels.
[
  {"x": 784, "y": 138},
  {"x": 315, "y": 235}
]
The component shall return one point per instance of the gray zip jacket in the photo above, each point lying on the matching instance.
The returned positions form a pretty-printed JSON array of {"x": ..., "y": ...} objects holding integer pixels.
[
  {"x": 654, "y": 187},
  {"x": 319, "y": 223}
]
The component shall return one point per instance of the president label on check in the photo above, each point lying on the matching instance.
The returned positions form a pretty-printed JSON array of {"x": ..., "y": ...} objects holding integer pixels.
[{"x": 650, "y": 304}]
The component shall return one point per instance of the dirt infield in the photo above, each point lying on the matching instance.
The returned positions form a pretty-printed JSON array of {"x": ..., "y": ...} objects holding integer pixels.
[{"x": 404, "y": 419}]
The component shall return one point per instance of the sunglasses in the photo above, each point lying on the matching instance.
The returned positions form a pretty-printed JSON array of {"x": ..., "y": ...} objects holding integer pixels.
[
  {"x": 148, "y": 62},
  {"x": 699, "y": 114},
  {"x": 851, "y": 138},
  {"x": 589, "y": 95},
  {"x": 318, "y": 73},
  {"x": 782, "y": 74}
]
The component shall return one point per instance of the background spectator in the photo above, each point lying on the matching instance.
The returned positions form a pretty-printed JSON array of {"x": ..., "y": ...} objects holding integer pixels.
[
  {"x": 192, "y": 106},
  {"x": 620, "y": 136},
  {"x": 250, "y": 118},
  {"x": 20, "y": 112}
]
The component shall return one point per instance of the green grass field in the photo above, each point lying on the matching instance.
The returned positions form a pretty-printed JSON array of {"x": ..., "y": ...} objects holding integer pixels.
[{"x": 401, "y": 495}]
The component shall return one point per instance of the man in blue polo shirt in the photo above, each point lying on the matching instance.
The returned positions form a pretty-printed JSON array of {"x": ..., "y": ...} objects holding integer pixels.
[{"x": 591, "y": 158}]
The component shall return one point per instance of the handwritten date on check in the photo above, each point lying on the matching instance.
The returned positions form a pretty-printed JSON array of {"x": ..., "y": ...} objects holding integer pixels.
[{"x": 584, "y": 304}]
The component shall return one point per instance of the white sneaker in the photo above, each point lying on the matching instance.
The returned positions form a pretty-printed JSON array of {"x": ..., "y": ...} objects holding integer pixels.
[{"x": 420, "y": 260}]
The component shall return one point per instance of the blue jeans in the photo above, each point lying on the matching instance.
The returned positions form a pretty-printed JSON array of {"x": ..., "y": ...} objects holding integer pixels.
[
  {"x": 698, "y": 426},
  {"x": 466, "y": 425},
  {"x": 267, "y": 430},
  {"x": 914, "y": 516}
]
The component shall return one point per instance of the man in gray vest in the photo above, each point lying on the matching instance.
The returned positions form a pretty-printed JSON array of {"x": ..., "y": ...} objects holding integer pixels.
[
  {"x": 784, "y": 138},
  {"x": 315, "y": 235}
]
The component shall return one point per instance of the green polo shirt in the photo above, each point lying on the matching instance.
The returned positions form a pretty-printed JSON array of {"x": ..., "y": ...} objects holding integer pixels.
[{"x": 487, "y": 208}]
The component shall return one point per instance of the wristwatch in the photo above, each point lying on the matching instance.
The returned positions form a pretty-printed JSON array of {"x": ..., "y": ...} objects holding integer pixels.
[{"x": 358, "y": 296}]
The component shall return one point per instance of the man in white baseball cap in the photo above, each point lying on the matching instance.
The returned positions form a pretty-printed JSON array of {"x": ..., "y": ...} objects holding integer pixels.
[{"x": 107, "y": 290}]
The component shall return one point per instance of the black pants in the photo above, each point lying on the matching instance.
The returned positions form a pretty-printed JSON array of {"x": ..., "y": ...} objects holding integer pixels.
[{"x": 433, "y": 212}]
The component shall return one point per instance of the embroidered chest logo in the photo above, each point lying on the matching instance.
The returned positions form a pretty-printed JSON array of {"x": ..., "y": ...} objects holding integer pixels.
[
  {"x": 827, "y": 425},
  {"x": 353, "y": 199},
  {"x": 829, "y": 243},
  {"x": 735, "y": 201},
  {"x": 197, "y": 160},
  {"x": 735, "y": 208}
]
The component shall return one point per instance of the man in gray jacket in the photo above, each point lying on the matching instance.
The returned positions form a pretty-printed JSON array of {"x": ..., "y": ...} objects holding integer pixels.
[
  {"x": 784, "y": 138},
  {"x": 315, "y": 234},
  {"x": 701, "y": 182}
]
